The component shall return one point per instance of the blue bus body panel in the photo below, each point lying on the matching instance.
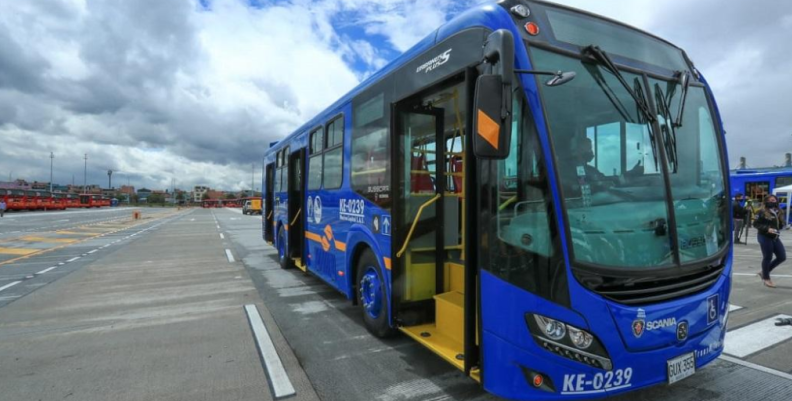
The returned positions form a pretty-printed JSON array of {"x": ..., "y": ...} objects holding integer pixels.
[
  {"x": 332, "y": 239},
  {"x": 509, "y": 346}
]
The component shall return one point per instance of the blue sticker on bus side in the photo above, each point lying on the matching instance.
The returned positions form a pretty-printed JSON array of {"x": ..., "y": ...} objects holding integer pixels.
[
  {"x": 712, "y": 308},
  {"x": 386, "y": 225}
]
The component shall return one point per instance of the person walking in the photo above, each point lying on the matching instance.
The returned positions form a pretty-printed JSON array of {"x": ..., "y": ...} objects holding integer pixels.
[
  {"x": 739, "y": 214},
  {"x": 769, "y": 222},
  {"x": 3, "y": 207}
]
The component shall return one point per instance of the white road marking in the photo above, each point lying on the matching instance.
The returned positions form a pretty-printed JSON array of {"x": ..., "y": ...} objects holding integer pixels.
[
  {"x": 756, "y": 367},
  {"x": 7, "y": 286},
  {"x": 73, "y": 259},
  {"x": 234, "y": 210},
  {"x": 733, "y": 308},
  {"x": 230, "y": 256},
  {"x": 222, "y": 236},
  {"x": 218, "y": 226},
  {"x": 94, "y": 251},
  {"x": 754, "y": 275},
  {"x": 756, "y": 337},
  {"x": 47, "y": 269},
  {"x": 281, "y": 385}
]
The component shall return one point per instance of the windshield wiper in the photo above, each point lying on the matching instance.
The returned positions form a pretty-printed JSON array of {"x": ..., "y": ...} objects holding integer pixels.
[
  {"x": 683, "y": 77},
  {"x": 652, "y": 139},
  {"x": 667, "y": 128},
  {"x": 603, "y": 58}
]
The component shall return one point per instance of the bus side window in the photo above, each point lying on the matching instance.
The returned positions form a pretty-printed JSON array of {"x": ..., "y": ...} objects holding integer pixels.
[
  {"x": 315, "y": 161},
  {"x": 523, "y": 242},
  {"x": 370, "y": 154},
  {"x": 333, "y": 155}
]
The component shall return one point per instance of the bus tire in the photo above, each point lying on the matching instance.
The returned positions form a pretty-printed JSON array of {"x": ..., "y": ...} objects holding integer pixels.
[
  {"x": 283, "y": 257},
  {"x": 372, "y": 296}
]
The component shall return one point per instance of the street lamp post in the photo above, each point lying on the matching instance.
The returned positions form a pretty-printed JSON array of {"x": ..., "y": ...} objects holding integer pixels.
[
  {"x": 85, "y": 175},
  {"x": 109, "y": 179},
  {"x": 52, "y": 156}
]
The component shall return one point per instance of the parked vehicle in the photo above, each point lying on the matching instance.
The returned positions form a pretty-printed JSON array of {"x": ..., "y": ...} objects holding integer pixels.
[
  {"x": 551, "y": 238},
  {"x": 252, "y": 206}
]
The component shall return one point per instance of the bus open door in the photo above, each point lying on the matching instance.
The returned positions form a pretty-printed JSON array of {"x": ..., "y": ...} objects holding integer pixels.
[
  {"x": 269, "y": 206},
  {"x": 296, "y": 199}
]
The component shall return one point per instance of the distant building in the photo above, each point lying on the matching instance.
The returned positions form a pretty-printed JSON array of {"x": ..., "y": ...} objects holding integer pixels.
[
  {"x": 90, "y": 189},
  {"x": 17, "y": 184},
  {"x": 198, "y": 193},
  {"x": 215, "y": 194},
  {"x": 39, "y": 185},
  {"x": 126, "y": 189},
  {"x": 143, "y": 194}
]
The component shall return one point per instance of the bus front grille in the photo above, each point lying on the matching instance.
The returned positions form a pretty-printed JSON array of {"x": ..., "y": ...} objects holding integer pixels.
[{"x": 633, "y": 291}]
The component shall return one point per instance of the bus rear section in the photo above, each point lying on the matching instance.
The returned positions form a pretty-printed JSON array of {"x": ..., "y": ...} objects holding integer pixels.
[{"x": 548, "y": 214}]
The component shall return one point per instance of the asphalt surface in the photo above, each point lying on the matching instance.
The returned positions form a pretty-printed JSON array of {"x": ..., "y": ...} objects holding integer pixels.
[{"x": 153, "y": 310}]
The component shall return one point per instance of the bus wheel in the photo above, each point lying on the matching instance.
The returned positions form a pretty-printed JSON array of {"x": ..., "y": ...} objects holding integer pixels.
[
  {"x": 372, "y": 296},
  {"x": 282, "y": 257}
]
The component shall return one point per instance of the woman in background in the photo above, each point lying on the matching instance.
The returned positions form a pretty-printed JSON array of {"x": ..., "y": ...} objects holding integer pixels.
[{"x": 769, "y": 222}]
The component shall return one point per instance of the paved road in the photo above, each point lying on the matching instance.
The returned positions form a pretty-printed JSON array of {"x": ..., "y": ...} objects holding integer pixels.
[
  {"x": 328, "y": 336},
  {"x": 155, "y": 313},
  {"x": 14, "y": 223}
]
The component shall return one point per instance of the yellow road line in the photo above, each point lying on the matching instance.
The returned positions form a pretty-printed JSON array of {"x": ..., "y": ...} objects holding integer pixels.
[
  {"x": 46, "y": 239},
  {"x": 42, "y": 251},
  {"x": 73, "y": 233},
  {"x": 18, "y": 251}
]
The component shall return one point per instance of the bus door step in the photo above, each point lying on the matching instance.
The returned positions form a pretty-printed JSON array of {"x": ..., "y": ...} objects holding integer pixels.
[
  {"x": 445, "y": 336},
  {"x": 299, "y": 263}
]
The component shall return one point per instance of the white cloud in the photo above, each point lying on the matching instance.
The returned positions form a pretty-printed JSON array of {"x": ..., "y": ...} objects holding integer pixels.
[{"x": 168, "y": 89}]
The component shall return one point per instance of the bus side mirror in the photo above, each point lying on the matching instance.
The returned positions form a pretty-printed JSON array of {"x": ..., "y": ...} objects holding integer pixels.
[
  {"x": 491, "y": 119},
  {"x": 492, "y": 104}
]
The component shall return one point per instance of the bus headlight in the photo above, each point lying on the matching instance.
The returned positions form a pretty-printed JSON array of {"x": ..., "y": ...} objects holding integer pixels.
[
  {"x": 553, "y": 329},
  {"x": 568, "y": 341},
  {"x": 580, "y": 338}
]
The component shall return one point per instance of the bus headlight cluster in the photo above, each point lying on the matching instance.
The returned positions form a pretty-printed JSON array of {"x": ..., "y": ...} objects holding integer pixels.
[
  {"x": 568, "y": 341},
  {"x": 553, "y": 329},
  {"x": 580, "y": 338}
]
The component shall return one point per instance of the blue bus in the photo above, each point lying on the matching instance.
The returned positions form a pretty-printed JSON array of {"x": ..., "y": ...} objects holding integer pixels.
[
  {"x": 756, "y": 184},
  {"x": 536, "y": 194}
]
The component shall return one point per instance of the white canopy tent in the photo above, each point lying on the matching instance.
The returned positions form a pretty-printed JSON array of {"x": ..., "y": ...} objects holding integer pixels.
[{"x": 787, "y": 193}]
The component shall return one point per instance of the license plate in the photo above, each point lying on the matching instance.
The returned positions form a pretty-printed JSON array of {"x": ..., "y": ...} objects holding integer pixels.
[{"x": 681, "y": 367}]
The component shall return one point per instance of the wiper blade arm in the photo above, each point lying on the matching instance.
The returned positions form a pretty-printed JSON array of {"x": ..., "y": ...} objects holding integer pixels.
[
  {"x": 683, "y": 78},
  {"x": 603, "y": 58},
  {"x": 652, "y": 139}
]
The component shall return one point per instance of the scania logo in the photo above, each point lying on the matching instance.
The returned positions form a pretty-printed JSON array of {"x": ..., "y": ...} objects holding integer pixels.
[
  {"x": 661, "y": 323},
  {"x": 682, "y": 330},
  {"x": 639, "y": 324}
]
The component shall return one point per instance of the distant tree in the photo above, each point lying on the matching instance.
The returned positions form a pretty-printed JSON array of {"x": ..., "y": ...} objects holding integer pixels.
[
  {"x": 134, "y": 199},
  {"x": 230, "y": 196},
  {"x": 205, "y": 196},
  {"x": 156, "y": 198},
  {"x": 180, "y": 196}
]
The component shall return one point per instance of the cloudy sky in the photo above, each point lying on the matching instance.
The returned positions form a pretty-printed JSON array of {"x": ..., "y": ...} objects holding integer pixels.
[{"x": 194, "y": 90}]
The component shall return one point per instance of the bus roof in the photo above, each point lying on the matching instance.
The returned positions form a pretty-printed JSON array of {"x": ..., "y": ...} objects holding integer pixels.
[{"x": 482, "y": 15}]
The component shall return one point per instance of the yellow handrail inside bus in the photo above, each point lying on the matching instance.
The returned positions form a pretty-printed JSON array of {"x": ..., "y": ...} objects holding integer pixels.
[
  {"x": 415, "y": 221},
  {"x": 507, "y": 203},
  {"x": 295, "y": 217},
  {"x": 269, "y": 216}
]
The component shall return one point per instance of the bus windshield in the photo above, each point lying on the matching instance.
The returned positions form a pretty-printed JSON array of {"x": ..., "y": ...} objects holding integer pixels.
[{"x": 610, "y": 168}]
